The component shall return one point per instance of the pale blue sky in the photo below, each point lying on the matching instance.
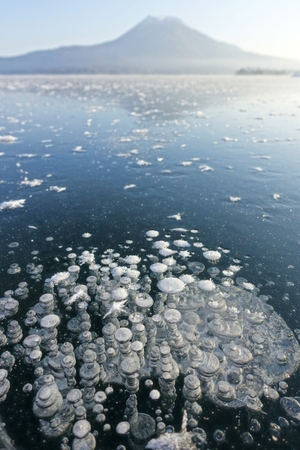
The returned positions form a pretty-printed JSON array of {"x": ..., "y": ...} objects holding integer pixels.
[{"x": 262, "y": 26}]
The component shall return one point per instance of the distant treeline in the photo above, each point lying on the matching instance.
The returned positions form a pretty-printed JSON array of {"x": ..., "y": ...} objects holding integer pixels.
[{"x": 258, "y": 71}]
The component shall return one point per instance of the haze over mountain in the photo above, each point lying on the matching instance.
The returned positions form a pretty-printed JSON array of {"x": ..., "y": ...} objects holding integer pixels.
[{"x": 155, "y": 45}]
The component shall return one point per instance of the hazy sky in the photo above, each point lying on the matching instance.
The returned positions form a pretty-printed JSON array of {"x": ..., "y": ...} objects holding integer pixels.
[{"x": 263, "y": 26}]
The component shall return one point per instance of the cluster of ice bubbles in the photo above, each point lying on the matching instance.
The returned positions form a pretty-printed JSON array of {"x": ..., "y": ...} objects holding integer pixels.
[{"x": 134, "y": 326}]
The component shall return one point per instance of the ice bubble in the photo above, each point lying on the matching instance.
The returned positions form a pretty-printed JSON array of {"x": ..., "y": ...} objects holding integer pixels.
[
  {"x": 206, "y": 285},
  {"x": 100, "y": 397},
  {"x": 212, "y": 255},
  {"x": 158, "y": 268},
  {"x": 27, "y": 388},
  {"x": 187, "y": 279},
  {"x": 170, "y": 285},
  {"x": 26, "y": 155},
  {"x": 175, "y": 216},
  {"x": 248, "y": 286},
  {"x": 229, "y": 139},
  {"x": 160, "y": 244},
  {"x": 57, "y": 189},
  {"x": 8, "y": 138},
  {"x": 247, "y": 438},
  {"x": 142, "y": 162},
  {"x": 132, "y": 259},
  {"x": 213, "y": 272},
  {"x": 13, "y": 244},
  {"x": 59, "y": 277},
  {"x": 81, "y": 429},
  {"x": 12, "y": 204},
  {"x": 32, "y": 183},
  {"x": 166, "y": 252},
  {"x": 154, "y": 394},
  {"x": 184, "y": 254},
  {"x": 123, "y": 428},
  {"x": 205, "y": 168},
  {"x": 219, "y": 436},
  {"x": 152, "y": 233},
  {"x": 291, "y": 406},
  {"x": 169, "y": 261},
  {"x": 14, "y": 268},
  {"x": 181, "y": 243},
  {"x": 228, "y": 273},
  {"x": 109, "y": 390}
]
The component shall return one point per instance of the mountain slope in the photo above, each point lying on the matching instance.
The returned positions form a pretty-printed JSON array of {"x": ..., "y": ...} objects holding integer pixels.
[{"x": 153, "y": 46}]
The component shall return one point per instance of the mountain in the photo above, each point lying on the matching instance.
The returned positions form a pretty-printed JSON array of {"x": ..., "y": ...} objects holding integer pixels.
[{"x": 155, "y": 45}]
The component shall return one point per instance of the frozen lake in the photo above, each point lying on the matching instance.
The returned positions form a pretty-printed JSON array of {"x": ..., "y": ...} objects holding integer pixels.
[{"x": 94, "y": 162}]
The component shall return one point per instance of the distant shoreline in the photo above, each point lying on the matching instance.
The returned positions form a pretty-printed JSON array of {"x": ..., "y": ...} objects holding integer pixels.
[{"x": 258, "y": 71}]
